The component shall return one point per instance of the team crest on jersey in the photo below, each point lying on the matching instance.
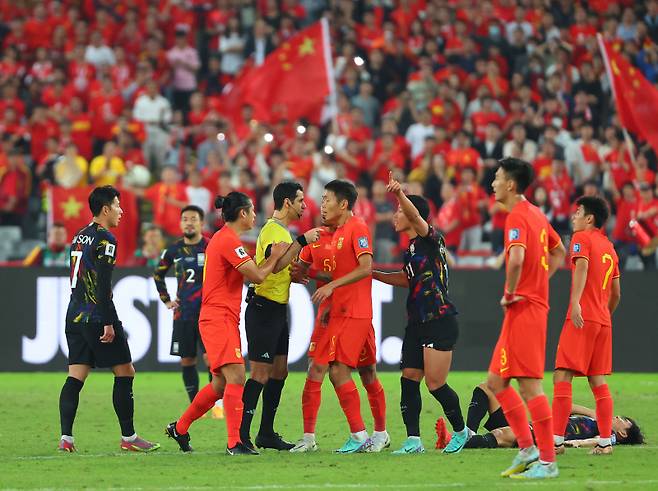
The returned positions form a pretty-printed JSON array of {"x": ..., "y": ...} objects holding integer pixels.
[
  {"x": 200, "y": 259},
  {"x": 576, "y": 247},
  {"x": 241, "y": 252},
  {"x": 340, "y": 243},
  {"x": 412, "y": 249},
  {"x": 513, "y": 234},
  {"x": 363, "y": 242},
  {"x": 238, "y": 353}
]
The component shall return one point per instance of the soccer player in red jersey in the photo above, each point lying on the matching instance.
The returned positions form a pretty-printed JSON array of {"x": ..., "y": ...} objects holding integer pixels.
[
  {"x": 315, "y": 261},
  {"x": 350, "y": 316},
  {"x": 585, "y": 347},
  {"x": 227, "y": 264},
  {"x": 533, "y": 251}
]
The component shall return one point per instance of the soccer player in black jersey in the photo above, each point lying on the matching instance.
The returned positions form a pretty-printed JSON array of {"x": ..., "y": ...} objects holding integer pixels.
[
  {"x": 187, "y": 255},
  {"x": 432, "y": 330},
  {"x": 94, "y": 334}
]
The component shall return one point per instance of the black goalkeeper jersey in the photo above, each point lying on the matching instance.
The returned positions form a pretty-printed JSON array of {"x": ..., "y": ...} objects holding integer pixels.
[{"x": 93, "y": 255}]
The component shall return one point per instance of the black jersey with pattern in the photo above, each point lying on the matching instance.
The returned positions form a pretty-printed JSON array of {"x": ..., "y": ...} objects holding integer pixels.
[
  {"x": 426, "y": 268},
  {"x": 581, "y": 428},
  {"x": 188, "y": 261},
  {"x": 93, "y": 255}
]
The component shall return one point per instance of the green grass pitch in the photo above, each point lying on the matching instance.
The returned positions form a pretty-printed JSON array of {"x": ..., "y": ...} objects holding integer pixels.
[{"x": 30, "y": 431}]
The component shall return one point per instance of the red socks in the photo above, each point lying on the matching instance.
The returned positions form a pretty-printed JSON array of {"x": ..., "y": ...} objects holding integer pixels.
[
  {"x": 542, "y": 424},
  {"x": 562, "y": 402},
  {"x": 233, "y": 412},
  {"x": 604, "y": 408},
  {"x": 311, "y": 397},
  {"x": 202, "y": 403},
  {"x": 377, "y": 400},
  {"x": 351, "y": 404},
  {"x": 514, "y": 411}
]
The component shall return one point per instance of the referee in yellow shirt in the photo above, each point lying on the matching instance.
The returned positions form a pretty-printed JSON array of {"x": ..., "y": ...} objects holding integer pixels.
[{"x": 266, "y": 318}]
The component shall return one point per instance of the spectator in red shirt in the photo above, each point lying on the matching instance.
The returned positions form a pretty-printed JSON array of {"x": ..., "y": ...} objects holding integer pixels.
[
  {"x": 472, "y": 202},
  {"x": 559, "y": 188},
  {"x": 364, "y": 208},
  {"x": 41, "y": 128},
  {"x": 38, "y": 30},
  {"x": 353, "y": 160},
  {"x": 14, "y": 189},
  {"x": 448, "y": 218},
  {"x": 167, "y": 197},
  {"x": 648, "y": 218},
  {"x": 626, "y": 205}
]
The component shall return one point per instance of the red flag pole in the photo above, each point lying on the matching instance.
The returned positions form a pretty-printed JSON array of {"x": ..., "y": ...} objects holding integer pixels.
[{"x": 608, "y": 70}]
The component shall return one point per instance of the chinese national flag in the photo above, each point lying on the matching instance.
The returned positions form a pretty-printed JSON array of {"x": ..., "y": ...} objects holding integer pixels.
[
  {"x": 292, "y": 83},
  {"x": 71, "y": 208},
  {"x": 635, "y": 97}
]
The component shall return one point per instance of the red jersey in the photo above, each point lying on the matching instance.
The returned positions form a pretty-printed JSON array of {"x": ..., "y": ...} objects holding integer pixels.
[
  {"x": 319, "y": 254},
  {"x": 526, "y": 226},
  {"x": 603, "y": 267},
  {"x": 166, "y": 214},
  {"x": 349, "y": 242},
  {"x": 222, "y": 282},
  {"x": 652, "y": 221}
]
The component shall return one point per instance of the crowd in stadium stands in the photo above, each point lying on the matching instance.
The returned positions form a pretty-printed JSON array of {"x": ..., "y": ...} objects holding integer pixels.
[{"x": 127, "y": 93}]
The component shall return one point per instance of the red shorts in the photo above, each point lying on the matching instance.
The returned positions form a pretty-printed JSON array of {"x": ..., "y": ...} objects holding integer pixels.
[
  {"x": 521, "y": 347},
  {"x": 585, "y": 351},
  {"x": 221, "y": 338},
  {"x": 345, "y": 340}
]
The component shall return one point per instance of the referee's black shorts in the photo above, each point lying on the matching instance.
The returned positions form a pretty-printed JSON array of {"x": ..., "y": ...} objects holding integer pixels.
[
  {"x": 185, "y": 339},
  {"x": 266, "y": 326},
  {"x": 85, "y": 347},
  {"x": 440, "y": 334}
]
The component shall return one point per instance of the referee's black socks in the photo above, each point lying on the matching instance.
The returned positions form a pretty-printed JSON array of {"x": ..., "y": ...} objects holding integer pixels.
[
  {"x": 124, "y": 405},
  {"x": 271, "y": 399},
  {"x": 477, "y": 409},
  {"x": 68, "y": 404},
  {"x": 252, "y": 390},
  {"x": 191, "y": 381},
  {"x": 410, "y": 405},
  {"x": 449, "y": 401}
]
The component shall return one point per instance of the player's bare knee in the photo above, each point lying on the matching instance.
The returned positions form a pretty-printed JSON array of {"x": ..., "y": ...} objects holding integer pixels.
[
  {"x": 495, "y": 384},
  {"x": 368, "y": 374},
  {"x": 125, "y": 370},
  {"x": 188, "y": 362},
  {"x": 79, "y": 372},
  {"x": 530, "y": 388},
  {"x": 260, "y": 372},
  {"x": 596, "y": 380},
  {"x": 562, "y": 376},
  {"x": 317, "y": 372},
  {"x": 414, "y": 374}
]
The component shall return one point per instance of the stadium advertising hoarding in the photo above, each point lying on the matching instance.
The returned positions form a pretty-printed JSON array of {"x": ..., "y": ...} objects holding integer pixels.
[{"x": 34, "y": 303}]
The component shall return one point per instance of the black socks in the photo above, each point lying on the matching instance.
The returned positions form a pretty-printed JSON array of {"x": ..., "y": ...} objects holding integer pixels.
[
  {"x": 68, "y": 404},
  {"x": 271, "y": 399},
  {"x": 191, "y": 381},
  {"x": 477, "y": 409},
  {"x": 449, "y": 401},
  {"x": 410, "y": 405},
  {"x": 252, "y": 390},
  {"x": 124, "y": 405}
]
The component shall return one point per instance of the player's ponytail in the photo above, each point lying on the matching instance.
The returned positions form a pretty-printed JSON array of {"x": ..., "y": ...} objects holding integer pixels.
[{"x": 231, "y": 204}]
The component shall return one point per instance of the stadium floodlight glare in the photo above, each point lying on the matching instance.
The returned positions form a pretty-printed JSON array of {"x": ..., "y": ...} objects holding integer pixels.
[
  {"x": 328, "y": 149},
  {"x": 358, "y": 61},
  {"x": 221, "y": 137},
  {"x": 268, "y": 137},
  {"x": 301, "y": 129}
]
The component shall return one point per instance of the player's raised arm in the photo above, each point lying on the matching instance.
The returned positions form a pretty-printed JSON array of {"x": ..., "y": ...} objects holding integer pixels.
[
  {"x": 417, "y": 222},
  {"x": 257, "y": 273}
]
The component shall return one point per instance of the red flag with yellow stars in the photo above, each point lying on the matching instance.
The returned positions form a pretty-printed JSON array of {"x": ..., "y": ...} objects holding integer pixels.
[
  {"x": 70, "y": 207},
  {"x": 635, "y": 97},
  {"x": 292, "y": 83}
]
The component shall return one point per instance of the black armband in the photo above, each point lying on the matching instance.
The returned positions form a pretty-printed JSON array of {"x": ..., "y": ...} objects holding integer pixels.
[{"x": 302, "y": 240}]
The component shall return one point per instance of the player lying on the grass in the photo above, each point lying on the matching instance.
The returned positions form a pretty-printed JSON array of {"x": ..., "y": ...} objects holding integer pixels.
[
  {"x": 315, "y": 262},
  {"x": 432, "y": 330},
  {"x": 585, "y": 346},
  {"x": 94, "y": 333},
  {"x": 187, "y": 255},
  {"x": 227, "y": 265},
  {"x": 581, "y": 430}
]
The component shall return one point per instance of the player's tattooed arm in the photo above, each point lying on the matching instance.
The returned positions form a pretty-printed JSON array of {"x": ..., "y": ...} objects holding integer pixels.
[{"x": 395, "y": 278}]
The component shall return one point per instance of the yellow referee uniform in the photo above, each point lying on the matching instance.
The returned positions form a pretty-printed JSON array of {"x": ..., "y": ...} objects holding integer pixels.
[{"x": 276, "y": 286}]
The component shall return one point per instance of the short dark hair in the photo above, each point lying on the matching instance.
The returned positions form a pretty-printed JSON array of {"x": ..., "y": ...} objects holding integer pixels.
[
  {"x": 102, "y": 196},
  {"x": 285, "y": 190},
  {"x": 193, "y": 208},
  {"x": 518, "y": 171},
  {"x": 231, "y": 204},
  {"x": 634, "y": 434},
  {"x": 344, "y": 190},
  {"x": 595, "y": 206},
  {"x": 421, "y": 205}
]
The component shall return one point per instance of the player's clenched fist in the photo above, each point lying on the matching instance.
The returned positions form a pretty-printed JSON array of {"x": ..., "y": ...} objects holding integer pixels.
[{"x": 312, "y": 235}]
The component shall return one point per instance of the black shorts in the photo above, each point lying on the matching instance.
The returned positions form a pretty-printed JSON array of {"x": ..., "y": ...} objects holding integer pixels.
[
  {"x": 85, "y": 348},
  {"x": 266, "y": 325},
  {"x": 439, "y": 334},
  {"x": 185, "y": 339}
]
